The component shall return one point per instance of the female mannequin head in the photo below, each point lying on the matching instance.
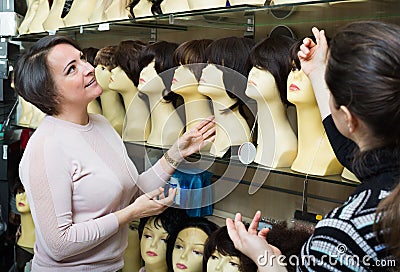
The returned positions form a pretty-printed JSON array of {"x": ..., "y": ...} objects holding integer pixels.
[
  {"x": 185, "y": 246},
  {"x": 20, "y": 198},
  {"x": 155, "y": 59},
  {"x": 271, "y": 55},
  {"x": 104, "y": 62},
  {"x": 153, "y": 234},
  {"x": 299, "y": 88},
  {"x": 232, "y": 53},
  {"x": 189, "y": 52},
  {"x": 126, "y": 57},
  {"x": 220, "y": 254}
]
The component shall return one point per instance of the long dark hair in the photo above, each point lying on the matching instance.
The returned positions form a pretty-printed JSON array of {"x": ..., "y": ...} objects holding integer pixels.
[
  {"x": 363, "y": 73},
  {"x": 272, "y": 54}
]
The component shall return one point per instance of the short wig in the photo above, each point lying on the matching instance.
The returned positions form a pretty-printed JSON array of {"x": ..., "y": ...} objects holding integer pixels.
[
  {"x": 219, "y": 240},
  {"x": 126, "y": 57},
  {"x": 170, "y": 219},
  {"x": 193, "y": 222},
  {"x": 191, "y": 52},
  {"x": 105, "y": 56}
]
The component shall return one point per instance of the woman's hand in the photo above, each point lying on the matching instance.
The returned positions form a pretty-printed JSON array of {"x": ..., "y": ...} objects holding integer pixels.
[
  {"x": 313, "y": 56},
  {"x": 193, "y": 140},
  {"x": 148, "y": 204},
  {"x": 253, "y": 243}
]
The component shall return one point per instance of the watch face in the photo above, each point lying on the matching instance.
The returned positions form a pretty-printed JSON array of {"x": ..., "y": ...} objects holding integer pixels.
[{"x": 247, "y": 153}]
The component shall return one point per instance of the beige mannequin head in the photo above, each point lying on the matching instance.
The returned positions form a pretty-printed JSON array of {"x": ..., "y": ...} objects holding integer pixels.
[
  {"x": 261, "y": 85},
  {"x": 220, "y": 254},
  {"x": 22, "y": 202},
  {"x": 212, "y": 82},
  {"x": 188, "y": 251},
  {"x": 149, "y": 81},
  {"x": 153, "y": 245},
  {"x": 119, "y": 81},
  {"x": 300, "y": 90},
  {"x": 185, "y": 246}
]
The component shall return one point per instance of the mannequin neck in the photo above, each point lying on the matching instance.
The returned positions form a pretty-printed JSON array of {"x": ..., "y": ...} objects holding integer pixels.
[
  {"x": 222, "y": 101},
  {"x": 156, "y": 267},
  {"x": 128, "y": 95},
  {"x": 309, "y": 122},
  {"x": 27, "y": 238},
  {"x": 276, "y": 142},
  {"x": 197, "y": 106}
]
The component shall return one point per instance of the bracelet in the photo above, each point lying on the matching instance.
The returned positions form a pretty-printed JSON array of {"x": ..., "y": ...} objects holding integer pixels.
[{"x": 170, "y": 160}]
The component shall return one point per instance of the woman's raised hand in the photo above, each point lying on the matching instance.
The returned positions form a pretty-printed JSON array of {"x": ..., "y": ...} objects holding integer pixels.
[{"x": 313, "y": 55}]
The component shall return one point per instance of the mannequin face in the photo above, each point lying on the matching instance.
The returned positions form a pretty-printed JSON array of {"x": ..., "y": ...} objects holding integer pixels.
[
  {"x": 22, "y": 202},
  {"x": 119, "y": 81},
  {"x": 188, "y": 250},
  {"x": 212, "y": 81},
  {"x": 300, "y": 90},
  {"x": 150, "y": 82},
  {"x": 219, "y": 262},
  {"x": 153, "y": 244},
  {"x": 103, "y": 76},
  {"x": 183, "y": 78},
  {"x": 261, "y": 85}
]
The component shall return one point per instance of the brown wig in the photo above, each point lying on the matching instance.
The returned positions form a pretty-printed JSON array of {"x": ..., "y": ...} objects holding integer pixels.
[
  {"x": 191, "y": 52},
  {"x": 219, "y": 240},
  {"x": 126, "y": 57}
]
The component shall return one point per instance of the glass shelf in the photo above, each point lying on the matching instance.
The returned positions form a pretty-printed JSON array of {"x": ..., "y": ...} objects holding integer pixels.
[
  {"x": 299, "y": 14},
  {"x": 235, "y": 162}
]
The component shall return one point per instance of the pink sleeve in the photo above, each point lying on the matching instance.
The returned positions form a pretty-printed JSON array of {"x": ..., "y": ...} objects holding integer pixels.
[
  {"x": 153, "y": 178},
  {"x": 50, "y": 186}
]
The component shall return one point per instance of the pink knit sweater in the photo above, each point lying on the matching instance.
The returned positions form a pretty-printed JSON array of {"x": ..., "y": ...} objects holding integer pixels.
[{"x": 75, "y": 178}]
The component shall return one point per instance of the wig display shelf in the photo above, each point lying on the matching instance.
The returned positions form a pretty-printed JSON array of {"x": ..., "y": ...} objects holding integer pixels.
[
  {"x": 121, "y": 28},
  {"x": 252, "y": 174},
  {"x": 300, "y": 16}
]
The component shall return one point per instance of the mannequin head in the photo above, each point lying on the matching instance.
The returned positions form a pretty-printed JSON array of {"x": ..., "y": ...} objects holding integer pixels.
[
  {"x": 154, "y": 232},
  {"x": 189, "y": 52},
  {"x": 232, "y": 53},
  {"x": 90, "y": 53},
  {"x": 185, "y": 246},
  {"x": 155, "y": 59},
  {"x": 220, "y": 254},
  {"x": 104, "y": 62},
  {"x": 21, "y": 201},
  {"x": 271, "y": 54},
  {"x": 126, "y": 57},
  {"x": 370, "y": 92},
  {"x": 299, "y": 88}
]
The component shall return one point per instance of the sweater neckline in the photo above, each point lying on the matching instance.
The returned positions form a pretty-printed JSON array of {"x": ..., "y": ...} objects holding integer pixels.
[{"x": 71, "y": 125}]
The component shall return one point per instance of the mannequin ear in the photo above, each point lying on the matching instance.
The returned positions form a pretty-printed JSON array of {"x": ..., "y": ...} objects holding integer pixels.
[{"x": 350, "y": 119}]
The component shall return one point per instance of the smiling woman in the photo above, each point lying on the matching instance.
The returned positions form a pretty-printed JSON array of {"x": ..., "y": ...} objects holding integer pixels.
[{"x": 75, "y": 157}]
